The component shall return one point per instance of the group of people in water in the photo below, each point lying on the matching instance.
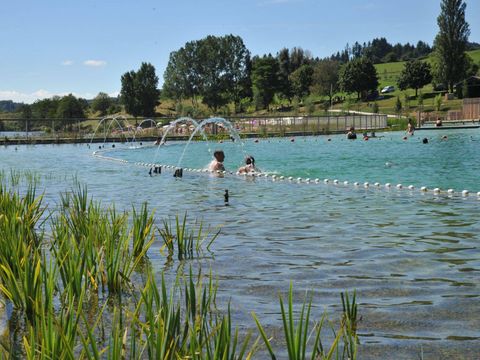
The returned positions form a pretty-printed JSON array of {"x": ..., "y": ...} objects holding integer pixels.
[{"x": 219, "y": 157}]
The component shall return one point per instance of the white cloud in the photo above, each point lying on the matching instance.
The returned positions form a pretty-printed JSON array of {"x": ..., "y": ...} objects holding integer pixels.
[
  {"x": 67, "y": 62},
  {"x": 94, "y": 63},
  {"x": 30, "y": 98}
]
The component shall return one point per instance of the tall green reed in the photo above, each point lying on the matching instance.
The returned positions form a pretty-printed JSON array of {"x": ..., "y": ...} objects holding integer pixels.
[
  {"x": 298, "y": 334},
  {"x": 186, "y": 242}
]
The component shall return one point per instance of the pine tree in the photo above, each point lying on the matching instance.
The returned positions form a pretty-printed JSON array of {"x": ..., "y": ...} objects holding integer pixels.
[{"x": 451, "y": 42}]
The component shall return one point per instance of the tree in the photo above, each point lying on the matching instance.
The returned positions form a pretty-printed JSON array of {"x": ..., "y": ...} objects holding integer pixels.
[
  {"x": 451, "y": 43},
  {"x": 128, "y": 94},
  {"x": 284, "y": 85},
  {"x": 415, "y": 75},
  {"x": 46, "y": 108},
  {"x": 325, "y": 78},
  {"x": 358, "y": 76},
  {"x": 264, "y": 80},
  {"x": 301, "y": 80},
  {"x": 102, "y": 103},
  {"x": 139, "y": 91},
  {"x": 398, "y": 106},
  {"x": 69, "y": 107},
  {"x": 215, "y": 68}
]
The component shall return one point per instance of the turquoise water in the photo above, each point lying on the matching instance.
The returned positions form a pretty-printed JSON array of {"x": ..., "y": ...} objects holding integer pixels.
[
  {"x": 413, "y": 258},
  {"x": 452, "y": 163}
]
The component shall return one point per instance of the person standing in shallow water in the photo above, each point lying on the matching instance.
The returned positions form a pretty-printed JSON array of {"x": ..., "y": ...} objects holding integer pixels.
[
  {"x": 351, "y": 135},
  {"x": 217, "y": 162},
  {"x": 410, "y": 127}
]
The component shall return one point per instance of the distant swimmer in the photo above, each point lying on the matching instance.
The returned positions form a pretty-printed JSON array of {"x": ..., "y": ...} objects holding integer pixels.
[
  {"x": 351, "y": 135},
  {"x": 410, "y": 127},
  {"x": 217, "y": 162}
]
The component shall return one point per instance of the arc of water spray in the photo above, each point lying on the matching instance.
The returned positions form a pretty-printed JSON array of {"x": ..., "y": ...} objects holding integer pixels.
[
  {"x": 140, "y": 125},
  {"x": 214, "y": 120},
  {"x": 112, "y": 119},
  {"x": 173, "y": 124}
]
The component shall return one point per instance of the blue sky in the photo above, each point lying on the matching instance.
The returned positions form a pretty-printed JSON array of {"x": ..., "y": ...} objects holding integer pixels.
[{"x": 54, "y": 47}]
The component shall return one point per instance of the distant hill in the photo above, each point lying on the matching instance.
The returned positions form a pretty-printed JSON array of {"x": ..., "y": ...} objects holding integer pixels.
[{"x": 9, "y": 106}]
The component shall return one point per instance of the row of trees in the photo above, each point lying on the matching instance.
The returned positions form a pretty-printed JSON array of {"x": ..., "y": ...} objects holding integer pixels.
[
  {"x": 69, "y": 107},
  {"x": 379, "y": 50}
]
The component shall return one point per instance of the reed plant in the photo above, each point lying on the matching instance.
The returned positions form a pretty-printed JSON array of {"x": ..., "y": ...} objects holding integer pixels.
[
  {"x": 187, "y": 242},
  {"x": 298, "y": 334},
  {"x": 142, "y": 229}
]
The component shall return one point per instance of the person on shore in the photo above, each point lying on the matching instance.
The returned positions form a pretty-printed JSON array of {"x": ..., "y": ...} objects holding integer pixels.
[
  {"x": 249, "y": 166},
  {"x": 351, "y": 135},
  {"x": 439, "y": 122},
  {"x": 217, "y": 162},
  {"x": 410, "y": 128}
]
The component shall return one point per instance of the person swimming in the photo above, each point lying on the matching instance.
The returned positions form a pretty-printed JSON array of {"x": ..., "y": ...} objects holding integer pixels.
[
  {"x": 249, "y": 166},
  {"x": 351, "y": 135},
  {"x": 217, "y": 162}
]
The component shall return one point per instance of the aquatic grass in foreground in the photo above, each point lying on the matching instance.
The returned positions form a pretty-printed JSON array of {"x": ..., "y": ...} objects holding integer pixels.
[
  {"x": 55, "y": 288},
  {"x": 188, "y": 243},
  {"x": 298, "y": 335}
]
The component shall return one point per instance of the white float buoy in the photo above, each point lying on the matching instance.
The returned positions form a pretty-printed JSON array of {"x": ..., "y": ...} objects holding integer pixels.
[
  {"x": 326, "y": 181},
  {"x": 282, "y": 177},
  {"x": 290, "y": 178},
  {"x": 307, "y": 180},
  {"x": 366, "y": 184},
  {"x": 450, "y": 191},
  {"x": 377, "y": 184},
  {"x": 465, "y": 192},
  {"x": 478, "y": 194},
  {"x": 345, "y": 182},
  {"x": 299, "y": 179},
  {"x": 436, "y": 191},
  {"x": 411, "y": 187},
  {"x": 355, "y": 183},
  {"x": 387, "y": 185},
  {"x": 424, "y": 189},
  {"x": 317, "y": 180},
  {"x": 399, "y": 186},
  {"x": 335, "y": 181}
]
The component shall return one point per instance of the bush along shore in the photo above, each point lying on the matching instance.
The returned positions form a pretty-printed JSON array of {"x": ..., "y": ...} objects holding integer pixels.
[{"x": 79, "y": 285}]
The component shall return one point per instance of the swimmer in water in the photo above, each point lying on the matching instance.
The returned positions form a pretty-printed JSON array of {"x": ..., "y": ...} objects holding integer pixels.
[
  {"x": 352, "y": 135},
  {"x": 410, "y": 128},
  {"x": 249, "y": 166},
  {"x": 217, "y": 163}
]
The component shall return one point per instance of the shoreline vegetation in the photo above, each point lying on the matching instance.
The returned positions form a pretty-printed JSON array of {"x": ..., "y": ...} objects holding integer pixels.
[{"x": 79, "y": 285}]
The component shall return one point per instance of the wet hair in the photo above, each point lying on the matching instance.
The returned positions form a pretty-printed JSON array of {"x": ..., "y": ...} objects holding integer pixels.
[
  {"x": 217, "y": 153},
  {"x": 352, "y": 128},
  {"x": 425, "y": 140},
  {"x": 250, "y": 160}
]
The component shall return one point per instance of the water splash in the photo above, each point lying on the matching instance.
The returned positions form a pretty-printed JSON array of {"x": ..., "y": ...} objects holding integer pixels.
[
  {"x": 227, "y": 124},
  {"x": 172, "y": 125},
  {"x": 139, "y": 127},
  {"x": 112, "y": 119}
]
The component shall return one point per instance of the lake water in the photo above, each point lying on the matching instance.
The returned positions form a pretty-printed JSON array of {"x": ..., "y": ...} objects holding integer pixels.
[{"x": 413, "y": 257}]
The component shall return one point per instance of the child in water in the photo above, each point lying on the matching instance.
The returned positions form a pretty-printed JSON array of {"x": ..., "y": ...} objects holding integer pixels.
[{"x": 249, "y": 165}]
